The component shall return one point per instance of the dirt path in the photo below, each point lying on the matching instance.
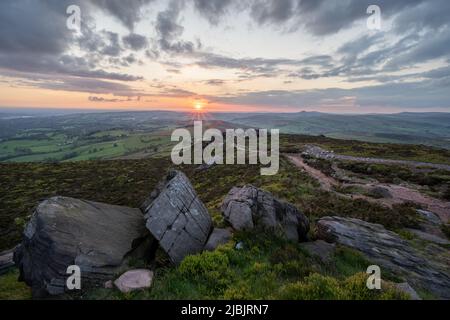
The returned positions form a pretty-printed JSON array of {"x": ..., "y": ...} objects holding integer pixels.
[
  {"x": 327, "y": 183},
  {"x": 318, "y": 152},
  {"x": 400, "y": 194}
]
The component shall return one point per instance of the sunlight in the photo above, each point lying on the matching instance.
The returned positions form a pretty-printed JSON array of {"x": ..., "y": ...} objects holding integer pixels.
[{"x": 198, "y": 106}]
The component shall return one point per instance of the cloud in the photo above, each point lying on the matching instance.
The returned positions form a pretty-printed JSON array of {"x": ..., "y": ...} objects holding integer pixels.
[
  {"x": 135, "y": 41},
  {"x": 422, "y": 94},
  {"x": 214, "y": 82},
  {"x": 127, "y": 12},
  {"x": 113, "y": 100},
  {"x": 32, "y": 26},
  {"x": 169, "y": 30},
  {"x": 36, "y": 46},
  {"x": 213, "y": 10},
  {"x": 77, "y": 84},
  {"x": 62, "y": 65}
]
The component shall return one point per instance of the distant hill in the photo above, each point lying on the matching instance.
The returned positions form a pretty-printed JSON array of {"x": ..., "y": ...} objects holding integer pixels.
[{"x": 414, "y": 128}]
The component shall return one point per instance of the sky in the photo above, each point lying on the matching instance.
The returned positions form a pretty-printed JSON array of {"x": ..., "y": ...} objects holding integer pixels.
[{"x": 226, "y": 55}]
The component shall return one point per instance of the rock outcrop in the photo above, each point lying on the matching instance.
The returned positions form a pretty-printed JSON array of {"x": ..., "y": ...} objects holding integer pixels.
[
  {"x": 134, "y": 280},
  {"x": 248, "y": 207},
  {"x": 63, "y": 231},
  {"x": 217, "y": 238},
  {"x": 426, "y": 269},
  {"x": 177, "y": 218},
  {"x": 6, "y": 261}
]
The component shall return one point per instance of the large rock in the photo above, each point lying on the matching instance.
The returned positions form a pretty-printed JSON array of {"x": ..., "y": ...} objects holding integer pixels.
[
  {"x": 177, "y": 218},
  {"x": 63, "y": 231},
  {"x": 249, "y": 207},
  {"x": 426, "y": 269}
]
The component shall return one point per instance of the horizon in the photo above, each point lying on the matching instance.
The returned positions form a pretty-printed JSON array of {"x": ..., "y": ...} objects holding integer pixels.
[
  {"x": 226, "y": 56},
  {"x": 189, "y": 111}
]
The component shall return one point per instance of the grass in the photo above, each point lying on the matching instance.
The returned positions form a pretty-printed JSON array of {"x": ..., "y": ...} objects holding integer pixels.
[
  {"x": 266, "y": 268},
  {"x": 10, "y": 289},
  {"x": 107, "y": 144},
  {"x": 22, "y": 186},
  {"x": 295, "y": 143},
  {"x": 128, "y": 182},
  {"x": 437, "y": 182}
]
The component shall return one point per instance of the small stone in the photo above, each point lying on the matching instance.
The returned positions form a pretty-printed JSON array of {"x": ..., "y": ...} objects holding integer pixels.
[
  {"x": 134, "y": 280},
  {"x": 109, "y": 284},
  {"x": 239, "y": 246}
]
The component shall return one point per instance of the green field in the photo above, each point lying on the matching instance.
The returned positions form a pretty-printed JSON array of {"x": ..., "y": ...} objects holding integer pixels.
[{"x": 108, "y": 144}]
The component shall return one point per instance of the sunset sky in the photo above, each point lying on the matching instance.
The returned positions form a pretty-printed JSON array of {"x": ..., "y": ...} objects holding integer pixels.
[{"x": 226, "y": 55}]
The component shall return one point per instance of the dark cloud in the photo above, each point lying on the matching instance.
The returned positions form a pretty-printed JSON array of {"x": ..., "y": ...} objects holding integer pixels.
[
  {"x": 127, "y": 12},
  {"x": 101, "y": 99},
  {"x": 251, "y": 68},
  {"x": 274, "y": 11},
  {"x": 35, "y": 44},
  {"x": 215, "y": 82},
  {"x": 113, "y": 100},
  {"x": 420, "y": 95},
  {"x": 169, "y": 30},
  {"x": 76, "y": 84},
  {"x": 33, "y": 26},
  {"x": 111, "y": 47},
  {"x": 135, "y": 41},
  {"x": 427, "y": 15},
  {"x": 322, "y": 17},
  {"x": 213, "y": 10}
]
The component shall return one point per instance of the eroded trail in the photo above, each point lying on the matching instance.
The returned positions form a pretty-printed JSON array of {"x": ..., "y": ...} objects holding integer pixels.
[
  {"x": 327, "y": 183},
  {"x": 318, "y": 152},
  {"x": 400, "y": 194}
]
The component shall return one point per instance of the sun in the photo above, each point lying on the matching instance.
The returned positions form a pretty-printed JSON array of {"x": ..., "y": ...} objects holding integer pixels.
[{"x": 198, "y": 106}]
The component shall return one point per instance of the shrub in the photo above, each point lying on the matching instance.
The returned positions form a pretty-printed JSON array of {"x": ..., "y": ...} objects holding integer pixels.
[
  {"x": 446, "y": 230},
  {"x": 348, "y": 262},
  {"x": 319, "y": 287},
  {"x": 239, "y": 291},
  {"x": 285, "y": 254},
  {"x": 209, "y": 265},
  {"x": 315, "y": 287}
]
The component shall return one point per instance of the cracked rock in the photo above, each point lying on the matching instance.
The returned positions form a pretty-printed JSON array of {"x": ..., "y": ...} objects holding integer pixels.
[
  {"x": 425, "y": 268},
  {"x": 96, "y": 237},
  {"x": 249, "y": 207},
  {"x": 177, "y": 218}
]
